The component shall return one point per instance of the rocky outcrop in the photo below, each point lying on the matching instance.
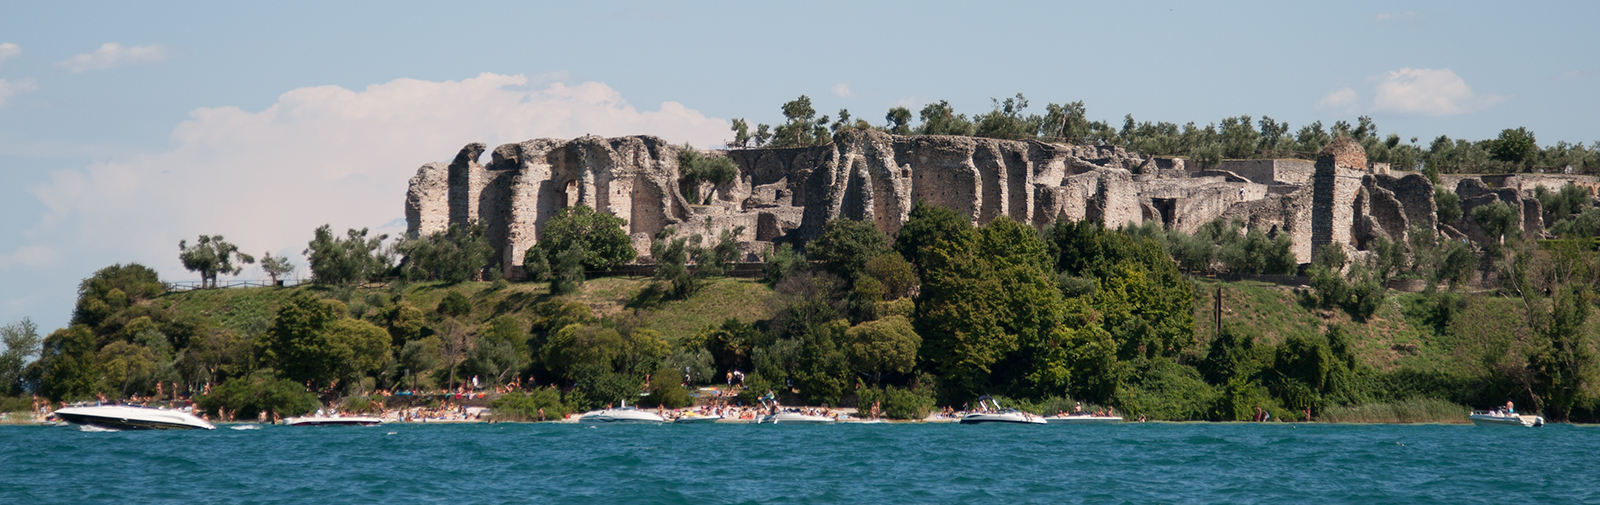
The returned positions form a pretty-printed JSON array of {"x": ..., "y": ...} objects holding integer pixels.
[{"x": 788, "y": 195}]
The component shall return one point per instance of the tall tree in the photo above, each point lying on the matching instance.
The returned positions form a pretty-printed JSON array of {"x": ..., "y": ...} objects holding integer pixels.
[
  {"x": 210, "y": 256},
  {"x": 21, "y": 341},
  {"x": 352, "y": 259},
  {"x": 276, "y": 267}
]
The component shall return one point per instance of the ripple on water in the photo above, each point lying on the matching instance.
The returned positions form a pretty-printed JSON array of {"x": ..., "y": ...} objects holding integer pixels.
[{"x": 1188, "y": 463}]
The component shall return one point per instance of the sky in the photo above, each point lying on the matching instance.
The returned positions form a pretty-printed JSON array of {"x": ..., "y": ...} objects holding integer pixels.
[{"x": 126, "y": 127}]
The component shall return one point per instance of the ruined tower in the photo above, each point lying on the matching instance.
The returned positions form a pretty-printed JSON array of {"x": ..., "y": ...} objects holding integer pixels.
[{"x": 1335, "y": 183}]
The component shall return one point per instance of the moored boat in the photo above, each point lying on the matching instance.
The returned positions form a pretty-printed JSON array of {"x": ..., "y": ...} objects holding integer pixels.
[
  {"x": 1083, "y": 419},
  {"x": 1500, "y": 418},
  {"x": 996, "y": 414},
  {"x": 132, "y": 417},
  {"x": 621, "y": 415},
  {"x": 333, "y": 421},
  {"x": 692, "y": 418},
  {"x": 797, "y": 418}
]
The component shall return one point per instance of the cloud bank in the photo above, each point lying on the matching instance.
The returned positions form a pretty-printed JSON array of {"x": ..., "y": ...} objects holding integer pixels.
[
  {"x": 9, "y": 50},
  {"x": 1411, "y": 91},
  {"x": 112, "y": 54},
  {"x": 10, "y": 89},
  {"x": 266, "y": 179}
]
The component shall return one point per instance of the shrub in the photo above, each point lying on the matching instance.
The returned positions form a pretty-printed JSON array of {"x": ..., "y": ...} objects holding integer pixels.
[
  {"x": 245, "y": 397},
  {"x": 525, "y": 406},
  {"x": 895, "y": 403},
  {"x": 666, "y": 389}
]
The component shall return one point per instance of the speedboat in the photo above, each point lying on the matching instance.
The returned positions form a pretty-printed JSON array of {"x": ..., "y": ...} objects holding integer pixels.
[
  {"x": 131, "y": 417},
  {"x": 693, "y": 418},
  {"x": 1500, "y": 418},
  {"x": 333, "y": 421},
  {"x": 790, "y": 417},
  {"x": 1083, "y": 419},
  {"x": 998, "y": 415},
  {"x": 621, "y": 415}
]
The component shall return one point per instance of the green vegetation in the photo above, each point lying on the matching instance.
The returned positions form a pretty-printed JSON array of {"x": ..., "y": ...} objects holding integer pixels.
[{"x": 1239, "y": 137}]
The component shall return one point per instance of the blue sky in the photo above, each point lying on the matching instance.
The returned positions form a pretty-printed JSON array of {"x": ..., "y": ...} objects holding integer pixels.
[{"x": 126, "y": 127}]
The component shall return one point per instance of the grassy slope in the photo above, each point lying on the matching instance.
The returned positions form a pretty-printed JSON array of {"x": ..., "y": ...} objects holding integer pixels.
[
  {"x": 1275, "y": 313},
  {"x": 244, "y": 309}
]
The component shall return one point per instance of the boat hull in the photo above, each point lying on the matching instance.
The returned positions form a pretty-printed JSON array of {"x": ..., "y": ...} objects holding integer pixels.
[
  {"x": 798, "y": 419},
  {"x": 1512, "y": 421},
  {"x": 1000, "y": 419},
  {"x": 131, "y": 418},
  {"x": 697, "y": 420},
  {"x": 332, "y": 421},
  {"x": 1083, "y": 420}
]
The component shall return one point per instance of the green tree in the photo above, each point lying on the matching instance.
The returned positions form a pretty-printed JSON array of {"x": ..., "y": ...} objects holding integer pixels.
[
  {"x": 940, "y": 119},
  {"x": 1515, "y": 146},
  {"x": 210, "y": 256},
  {"x": 342, "y": 261},
  {"x": 1562, "y": 364},
  {"x": 846, "y": 246},
  {"x": 502, "y": 349},
  {"x": 694, "y": 168},
  {"x": 600, "y": 237},
  {"x": 298, "y": 344},
  {"x": 899, "y": 120},
  {"x": 536, "y": 264},
  {"x": 801, "y": 126},
  {"x": 454, "y": 304},
  {"x": 741, "y": 133},
  {"x": 276, "y": 267},
  {"x": 926, "y": 225},
  {"x": 66, "y": 369},
  {"x": 112, "y": 289},
  {"x": 246, "y": 397},
  {"x": 672, "y": 255},
  {"x": 22, "y": 342},
  {"x": 1449, "y": 205},
  {"x": 566, "y": 270},
  {"x": 456, "y": 254},
  {"x": 886, "y": 345},
  {"x": 781, "y": 262}
]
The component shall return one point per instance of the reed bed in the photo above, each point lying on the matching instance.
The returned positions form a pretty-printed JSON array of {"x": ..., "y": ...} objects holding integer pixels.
[{"x": 1414, "y": 410}]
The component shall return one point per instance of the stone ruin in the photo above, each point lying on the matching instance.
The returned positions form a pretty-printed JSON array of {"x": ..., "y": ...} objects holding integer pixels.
[{"x": 788, "y": 195}]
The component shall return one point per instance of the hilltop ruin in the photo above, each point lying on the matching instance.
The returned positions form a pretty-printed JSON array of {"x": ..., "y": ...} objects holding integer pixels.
[{"x": 789, "y": 194}]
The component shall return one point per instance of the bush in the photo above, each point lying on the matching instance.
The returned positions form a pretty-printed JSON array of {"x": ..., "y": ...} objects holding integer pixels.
[
  {"x": 454, "y": 304},
  {"x": 895, "y": 403},
  {"x": 666, "y": 389},
  {"x": 245, "y": 397},
  {"x": 1413, "y": 410},
  {"x": 525, "y": 406},
  {"x": 1164, "y": 389},
  {"x": 16, "y": 404}
]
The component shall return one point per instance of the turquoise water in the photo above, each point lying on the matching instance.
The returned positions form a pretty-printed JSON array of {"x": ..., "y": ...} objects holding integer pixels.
[{"x": 550, "y": 463}]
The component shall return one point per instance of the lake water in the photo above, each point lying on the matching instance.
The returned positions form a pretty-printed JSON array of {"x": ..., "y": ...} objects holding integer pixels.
[{"x": 557, "y": 463}]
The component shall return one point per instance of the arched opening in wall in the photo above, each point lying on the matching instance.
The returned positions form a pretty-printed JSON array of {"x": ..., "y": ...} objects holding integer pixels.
[
  {"x": 1165, "y": 207},
  {"x": 854, "y": 205},
  {"x": 989, "y": 169},
  {"x": 569, "y": 194}
]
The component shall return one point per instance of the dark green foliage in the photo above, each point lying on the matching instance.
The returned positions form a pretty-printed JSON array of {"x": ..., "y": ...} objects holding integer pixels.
[
  {"x": 940, "y": 119},
  {"x": 454, "y": 304},
  {"x": 666, "y": 389},
  {"x": 349, "y": 260},
  {"x": 899, "y": 120},
  {"x": 1563, "y": 362},
  {"x": 802, "y": 128},
  {"x": 536, "y": 264},
  {"x": 311, "y": 340},
  {"x": 1449, "y": 205},
  {"x": 780, "y": 263},
  {"x": 886, "y": 345},
  {"x": 1164, "y": 389},
  {"x": 846, "y": 246},
  {"x": 1514, "y": 146},
  {"x": 112, "y": 289},
  {"x": 1562, "y": 204},
  {"x": 22, "y": 343},
  {"x": 501, "y": 351},
  {"x": 896, "y": 403},
  {"x": 456, "y": 254},
  {"x": 567, "y": 274},
  {"x": 245, "y": 397},
  {"x": 66, "y": 369},
  {"x": 694, "y": 168},
  {"x": 926, "y": 225},
  {"x": 741, "y": 133},
  {"x": 894, "y": 273},
  {"x": 672, "y": 254},
  {"x": 599, "y": 237},
  {"x": 1007, "y": 122},
  {"x": 595, "y": 387},
  {"x": 518, "y": 406},
  {"x": 210, "y": 256}
]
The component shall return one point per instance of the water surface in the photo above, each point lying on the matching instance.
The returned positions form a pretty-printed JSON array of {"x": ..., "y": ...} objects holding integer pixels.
[{"x": 896, "y": 463}]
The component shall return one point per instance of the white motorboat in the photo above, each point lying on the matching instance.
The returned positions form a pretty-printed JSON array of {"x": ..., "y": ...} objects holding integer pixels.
[
  {"x": 621, "y": 415},
  {"x": 797, "y": 418},
  {"x": 131, "y": 417},
  {"x": 985, "y": 414},
  {"x": 692, "y": 418},
  {"x": 333, "y": 421},
  {"x": 1083, "y": 419},
  {"x": 1500, "y": 418}
]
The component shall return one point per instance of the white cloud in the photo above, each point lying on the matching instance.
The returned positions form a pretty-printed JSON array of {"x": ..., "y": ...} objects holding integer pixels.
[
  {"x": 29, "y": 256},
  {"x": 1411, "y": 91},
  {"x": 265, "y": 179},
  {"x": 842, "y": 89},
  {"x": 112, "y": 54},
  {"x": 10, "y": 89},
  {"x": 1427, "y": 92},
  {"x": 9, "y": 50},
  {"x": 1343, "y": 100}
]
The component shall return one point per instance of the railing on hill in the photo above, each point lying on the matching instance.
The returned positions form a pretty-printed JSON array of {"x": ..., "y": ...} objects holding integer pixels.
[
  {"x": 234, "y": 283},
  {"x": 750, "y": 270}
]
